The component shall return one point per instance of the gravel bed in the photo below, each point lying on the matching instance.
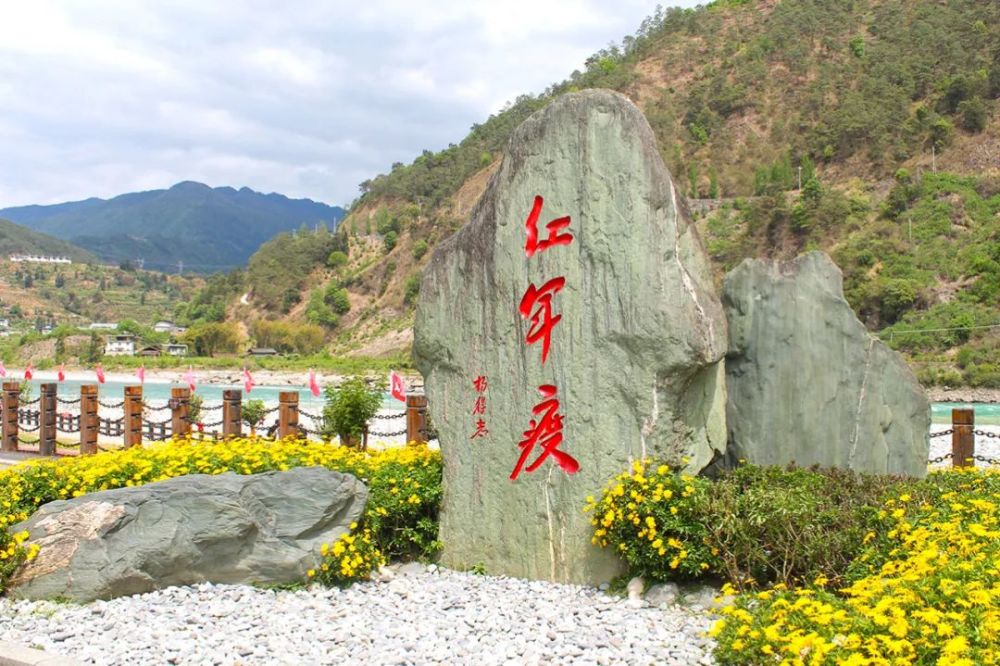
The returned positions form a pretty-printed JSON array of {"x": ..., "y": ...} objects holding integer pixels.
[{"x": 431, "y": 616}]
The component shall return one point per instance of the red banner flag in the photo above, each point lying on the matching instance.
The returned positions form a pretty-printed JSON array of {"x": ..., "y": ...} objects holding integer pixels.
[
  {"x": 398, "y": 386},
  {"x": 3, "y": 370},
  {"x": 99, "y": 371},
  {"x": 189, "y": 378},
  {"x": 248, "y": 382},
  {"x": 141, "y": 374},
  {"x": 313, "y": 384},
  {"x": 61, "y": 376},
  {"x": 28, "y": 372}
]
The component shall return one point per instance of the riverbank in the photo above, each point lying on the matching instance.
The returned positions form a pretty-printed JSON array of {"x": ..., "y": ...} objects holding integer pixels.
[
  {"x": 216, "y": 377},
  {"x": 963, "y": 394}
]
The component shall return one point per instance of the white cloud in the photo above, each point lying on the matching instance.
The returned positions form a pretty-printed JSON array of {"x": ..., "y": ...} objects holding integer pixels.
[{"x": 102, "y": 97}]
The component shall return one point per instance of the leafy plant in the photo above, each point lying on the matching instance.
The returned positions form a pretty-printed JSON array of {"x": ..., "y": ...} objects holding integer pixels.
[
  {"x": 252, "y": 413},
  {"x": 350, "y": 406}
]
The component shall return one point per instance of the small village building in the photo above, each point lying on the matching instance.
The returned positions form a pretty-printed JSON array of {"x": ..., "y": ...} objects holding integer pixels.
[
  {"x": 120, "y": 345},
  {"x": 152, "y": 350},
  {"x": 262, "y": 351},
  {"x": 176, "y": 349},
  {"x": 163, "y": 327},
  {"x": 103, "y": 326}
]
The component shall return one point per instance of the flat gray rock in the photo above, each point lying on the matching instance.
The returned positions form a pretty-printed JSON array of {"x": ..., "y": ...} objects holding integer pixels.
[
  {"x": 635, "y": 358},
  {"x": 807, "y": 383},
  {"x": 265, "y": 528}
]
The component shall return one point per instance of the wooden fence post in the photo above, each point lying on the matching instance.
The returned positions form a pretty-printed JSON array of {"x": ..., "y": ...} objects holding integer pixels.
[
  {"x": 232, "y": 409},
  {"x": 963, "y": 441},
  {"x": 88, "y": 419},
  {"x": 133, "y": 416},
  {"x": 416, "y": 417},
  {"x": 47, "y": 426},
  {"x": 11, "y": 401},
  {"x": 288, "y": 414},
  {"x": 180, "y": 410}
]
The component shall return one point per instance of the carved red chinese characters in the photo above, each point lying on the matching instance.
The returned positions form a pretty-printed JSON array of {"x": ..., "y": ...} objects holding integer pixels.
[
  {"x": 479, "y": 407},
  {"x": 536, "y": 305},
  {"x": 532, "y": 244},
  {"x": 546, "y": 431}
]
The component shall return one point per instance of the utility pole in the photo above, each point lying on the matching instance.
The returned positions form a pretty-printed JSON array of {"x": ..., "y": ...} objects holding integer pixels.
[
  {"x": 910, "y": 224},
  {"x": 180, "y": 267},
  {"x": 800, "y": 178},
  {"x": 933, "y": 158}
]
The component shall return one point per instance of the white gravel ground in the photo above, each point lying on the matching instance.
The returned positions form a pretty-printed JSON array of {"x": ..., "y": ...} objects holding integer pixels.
[{"x": 431, "y": 616}]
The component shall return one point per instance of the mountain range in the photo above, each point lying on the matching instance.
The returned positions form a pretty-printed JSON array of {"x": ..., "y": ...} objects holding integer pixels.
[{"x": 189, "y": 225}]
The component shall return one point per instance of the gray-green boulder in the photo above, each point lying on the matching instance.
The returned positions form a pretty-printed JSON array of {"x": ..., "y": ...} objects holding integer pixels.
[
  {"x": 636, "y": 358},
  {"x": 807, "y": 383},
  {"x": 266, "y": 528}
]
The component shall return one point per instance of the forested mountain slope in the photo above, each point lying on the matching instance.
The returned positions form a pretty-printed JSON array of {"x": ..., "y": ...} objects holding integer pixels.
[{"x": 867, "y": 128}]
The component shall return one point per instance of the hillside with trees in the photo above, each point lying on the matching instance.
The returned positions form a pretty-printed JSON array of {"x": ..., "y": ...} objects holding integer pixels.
[
  {"x": 16, "y": 239},
  {"x": 866, "y": 128}
]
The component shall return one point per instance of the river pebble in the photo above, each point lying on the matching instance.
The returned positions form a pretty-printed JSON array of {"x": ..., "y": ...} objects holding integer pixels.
[{"x": 413, "y": 617}]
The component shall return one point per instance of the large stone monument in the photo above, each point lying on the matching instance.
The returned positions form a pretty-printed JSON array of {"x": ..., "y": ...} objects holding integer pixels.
[
  {"x": 570, "y": 328},
  {"x": 807, "y": 383}
]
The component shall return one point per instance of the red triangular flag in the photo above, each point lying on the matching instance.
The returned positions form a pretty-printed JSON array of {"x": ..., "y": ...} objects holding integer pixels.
[
  {"x": 3, "y": 370},
  {"x": 398, "y": 386},
  {"x": 141, "y": 374},
  {"x": 313, "y": 384},
  {"x": 61, "y": 377},
  {"x": 248, "y": 382},
  {"x": 189, "y": 378},
  {"x": 27, "y": 372},
  {"x": 99, "y": 371}
]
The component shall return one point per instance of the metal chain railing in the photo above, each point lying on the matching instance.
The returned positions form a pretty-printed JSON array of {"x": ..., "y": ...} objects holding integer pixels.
[
  {"x": 386, "y": 434},
  {"x": 943, "y": 433},
  {"x": 111, "y": 405},
  {"x": 67, "y": 401},
  {"x": 939, "y": 459},
  {"x": 984, "y": 433},
  {"x": 389, "y": 417}
]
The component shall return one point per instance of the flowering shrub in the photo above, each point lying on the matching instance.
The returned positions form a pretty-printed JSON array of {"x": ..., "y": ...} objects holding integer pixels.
[
  {"x": 653, "y": 519},
  {"x": 351, "y": 557},
  {"x": 404, "y": 484},
  {"x": 926, "y": 591},
  {"x": 752, "y": 526}
]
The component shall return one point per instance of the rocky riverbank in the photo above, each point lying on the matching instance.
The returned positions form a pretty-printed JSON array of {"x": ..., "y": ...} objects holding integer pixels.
[{"x": 963, "y": 394}]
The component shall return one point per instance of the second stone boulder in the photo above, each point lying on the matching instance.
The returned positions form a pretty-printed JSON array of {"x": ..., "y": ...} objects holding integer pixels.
[{"x": 807, "y": 383}]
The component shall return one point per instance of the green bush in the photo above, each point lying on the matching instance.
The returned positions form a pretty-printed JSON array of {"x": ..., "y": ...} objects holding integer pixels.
[
  {"x": 420, "y": 248},
  {"x": 349, "y": 407},
  {"x": 753, "y": 526},
  {"x": 252, "y": 412}
]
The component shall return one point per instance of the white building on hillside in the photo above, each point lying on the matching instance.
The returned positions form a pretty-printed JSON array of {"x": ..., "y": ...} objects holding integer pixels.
[
  {"x": 39, "y": 259},
  {"x": 120, "y": 345}
]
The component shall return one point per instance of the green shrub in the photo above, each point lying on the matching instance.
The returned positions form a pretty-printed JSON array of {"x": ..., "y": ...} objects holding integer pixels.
[
  {"x": 419, "y": 248},
  {"x": 349, "y": 407},
  {"x": 753, "y": 526},
  {"x": 252, "y": 412}
]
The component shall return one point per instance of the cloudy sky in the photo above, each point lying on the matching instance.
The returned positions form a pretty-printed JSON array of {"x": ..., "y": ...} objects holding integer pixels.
[{"x": 307, "y": 98}]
